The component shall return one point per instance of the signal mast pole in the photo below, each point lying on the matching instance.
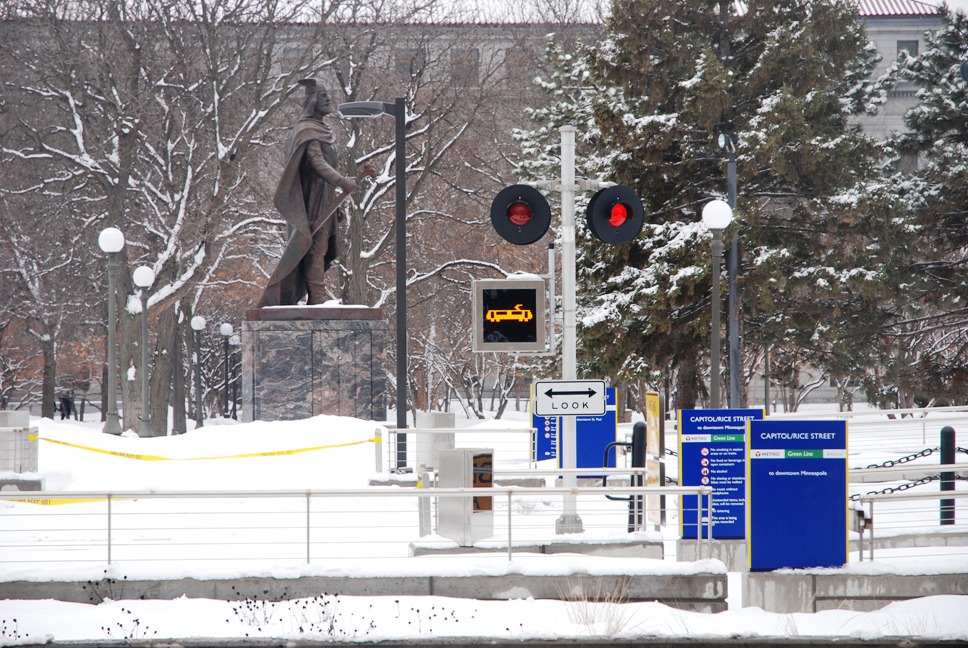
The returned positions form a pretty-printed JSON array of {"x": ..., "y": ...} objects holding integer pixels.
[{"x": 569, "y": 522}]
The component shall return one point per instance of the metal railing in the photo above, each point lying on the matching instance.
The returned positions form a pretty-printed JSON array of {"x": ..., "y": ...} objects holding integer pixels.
[
  {"x": 870, "y": 500},
  {"x": 284, "y": 526}
]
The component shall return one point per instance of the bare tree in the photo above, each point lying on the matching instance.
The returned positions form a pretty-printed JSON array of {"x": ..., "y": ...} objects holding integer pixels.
[{"x": 151, "y": 116}]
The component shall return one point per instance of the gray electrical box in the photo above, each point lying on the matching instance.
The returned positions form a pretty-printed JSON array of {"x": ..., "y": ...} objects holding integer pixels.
[{"x": 465, "y": 519}]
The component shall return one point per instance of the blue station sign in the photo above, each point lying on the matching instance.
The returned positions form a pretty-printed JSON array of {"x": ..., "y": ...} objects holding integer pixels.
[
  {"x": 712, "y": 446},
  {"x": 796, "y": 491}
]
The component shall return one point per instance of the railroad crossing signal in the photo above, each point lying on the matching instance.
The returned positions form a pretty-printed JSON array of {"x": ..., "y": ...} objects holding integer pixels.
[
  {"x": 520, "y": 214},
  {"x": 615, "y": 215},
  {"x": 569, "y": 398}
]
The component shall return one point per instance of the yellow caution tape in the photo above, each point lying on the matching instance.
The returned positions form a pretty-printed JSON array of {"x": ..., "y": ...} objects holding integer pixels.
[
  {"x": 47, "y": 501},
  {"x": 250, "y": 455}
]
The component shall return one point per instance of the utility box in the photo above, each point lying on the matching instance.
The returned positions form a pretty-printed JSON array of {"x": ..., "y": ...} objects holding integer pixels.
[
  {"x": 465, "y": 519},
  {"x": 429, "y": 443},
  {"x": 18, "y": 452}
]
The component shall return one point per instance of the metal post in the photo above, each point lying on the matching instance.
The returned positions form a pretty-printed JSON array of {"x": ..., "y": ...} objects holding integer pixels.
[
  {"x": 178, "y": 404},
  {"x": 568, "y": 522},
  {"x": 636, "y": 509},
  {"x": 226, "y": 331},
  {"x": 714, "y": 333},
  {"x": 198, "y": 323},
  {"x": 225, "y": 412},
  {"x": 109, "y": 528},
  {"x": 112, "y": 424},
  {"x": 400, "y": 161},
  {"x": 145, "y": 416},
  {"x": 735, "y": 366},
  {"x": 509, "y": 525},
  {"x": 766, "y": 379},
  {"x": 234, "y": 342},
  {"x": 947, "y": 477}
]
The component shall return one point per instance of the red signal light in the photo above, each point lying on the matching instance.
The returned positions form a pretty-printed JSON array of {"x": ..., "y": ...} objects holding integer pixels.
[
  {"x": 519, "y": 213},
  {"x": 618, "y": 215}
]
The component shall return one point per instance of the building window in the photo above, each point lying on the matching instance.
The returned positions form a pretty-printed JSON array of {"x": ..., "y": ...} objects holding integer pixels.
[
  {"x": 909, "y": 163},
  {"x": 411, "y": 62},
  {"x": 909, "y": 46},
  {"x": 465, "y": 68}
]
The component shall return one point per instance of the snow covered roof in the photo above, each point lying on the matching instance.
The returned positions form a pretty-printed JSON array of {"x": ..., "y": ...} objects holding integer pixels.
[
  {"x": 870, "y": 8},
  {"x": 880, "y": 8}
]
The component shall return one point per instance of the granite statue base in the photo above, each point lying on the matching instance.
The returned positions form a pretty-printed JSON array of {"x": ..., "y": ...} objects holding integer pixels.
[{"x": 303, "y": 361}]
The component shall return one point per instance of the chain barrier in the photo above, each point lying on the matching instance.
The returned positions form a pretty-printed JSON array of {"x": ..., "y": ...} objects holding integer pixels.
[
  {"x": 671, "y": 452},
  {"x": 890, "y": 463},
  {"x": 898, "y": 488}
]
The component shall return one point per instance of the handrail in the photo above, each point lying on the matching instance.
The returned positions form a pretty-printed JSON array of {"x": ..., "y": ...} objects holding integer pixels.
[
  {"x": 369, "y": 492},
  {"x": 374, "y": 491},
  {"x": 885, "y": 412},
  {"x": 857, "y": 475},
  {"x": 901, "y": 497}
]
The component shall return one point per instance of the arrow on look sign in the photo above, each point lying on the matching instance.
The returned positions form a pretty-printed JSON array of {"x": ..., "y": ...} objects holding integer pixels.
[{"x": 588, "y": 393}]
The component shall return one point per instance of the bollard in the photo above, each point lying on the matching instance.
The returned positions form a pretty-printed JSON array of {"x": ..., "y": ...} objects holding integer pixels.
[
  {"x": 636, "y": 503},
  {"x": 947, "y": 477},
  {"x": 423, "y": 503}
]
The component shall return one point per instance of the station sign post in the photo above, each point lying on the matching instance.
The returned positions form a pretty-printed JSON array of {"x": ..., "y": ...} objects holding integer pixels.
[
  {"x": 796, "y": 492},
  {"x": 712, "y": 446}
]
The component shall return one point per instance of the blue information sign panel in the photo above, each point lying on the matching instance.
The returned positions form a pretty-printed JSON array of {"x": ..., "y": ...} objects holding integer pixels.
[
  {"x": 796, "y": 489},
  {"x": 593, "y": 434},
  {"x": 546, "y": 439},
  {"x": 712, "y": 445}
]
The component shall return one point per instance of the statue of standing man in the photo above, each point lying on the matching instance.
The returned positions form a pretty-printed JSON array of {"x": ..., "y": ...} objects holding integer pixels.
[{"x": 306, "y": 197}]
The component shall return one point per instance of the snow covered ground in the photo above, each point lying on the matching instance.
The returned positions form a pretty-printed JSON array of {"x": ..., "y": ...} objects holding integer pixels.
[{"x": 336, "y": 452}]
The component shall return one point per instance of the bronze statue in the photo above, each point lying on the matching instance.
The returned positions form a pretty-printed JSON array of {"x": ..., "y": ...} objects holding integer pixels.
[{"x": 307, "y": 198}]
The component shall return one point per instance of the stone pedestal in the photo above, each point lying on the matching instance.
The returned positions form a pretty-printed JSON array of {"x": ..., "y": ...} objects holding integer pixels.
[{"x": 302, "y": 361}]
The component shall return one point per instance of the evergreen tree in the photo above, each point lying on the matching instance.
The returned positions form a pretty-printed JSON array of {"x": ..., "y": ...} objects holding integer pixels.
[
  {"x": 784, "y": 76},
  {"x": 924, "y": 348}
]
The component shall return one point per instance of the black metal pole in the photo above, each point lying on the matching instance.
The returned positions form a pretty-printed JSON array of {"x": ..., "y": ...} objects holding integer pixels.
[
  {"x": 400, "y": 121},
  {"x": 199, "y": 415},
  {"x": 226, "y": 410},
  {"x": 112, "y": 423},
  {"x": 178, "y": 403},
  {"x": 714, "y": 366},
  {"x": 636, "y": 508},
  {"x": 947, "y": 477},
  {"x": 733, "y": 273}
]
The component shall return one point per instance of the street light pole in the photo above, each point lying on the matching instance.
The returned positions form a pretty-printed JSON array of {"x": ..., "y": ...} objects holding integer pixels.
[
  {"x": 727, "y": 141},
  {"x": 226, "y": 331},
  {"x": 198, "y": 325},
  {"x": 397, "y": 110},
  {"x": 111, "y": 241},
  {"x": 716, "y": 215},
  {"x": 234, "y": 342},
  {"x": 143, "y": 278},
  {"x": 178, "y": 402}
]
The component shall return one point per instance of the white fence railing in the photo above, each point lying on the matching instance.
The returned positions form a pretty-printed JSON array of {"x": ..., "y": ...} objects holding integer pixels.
[{"x": 278, "y": 527}]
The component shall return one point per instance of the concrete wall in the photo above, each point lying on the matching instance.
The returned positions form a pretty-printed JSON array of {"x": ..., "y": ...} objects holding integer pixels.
[
  {"x": 806, "y": 591},
  {"x": 703, "y": 592}
]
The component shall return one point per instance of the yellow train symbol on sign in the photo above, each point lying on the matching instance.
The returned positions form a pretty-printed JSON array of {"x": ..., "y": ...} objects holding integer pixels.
[{"x": 517, "y": 314}]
